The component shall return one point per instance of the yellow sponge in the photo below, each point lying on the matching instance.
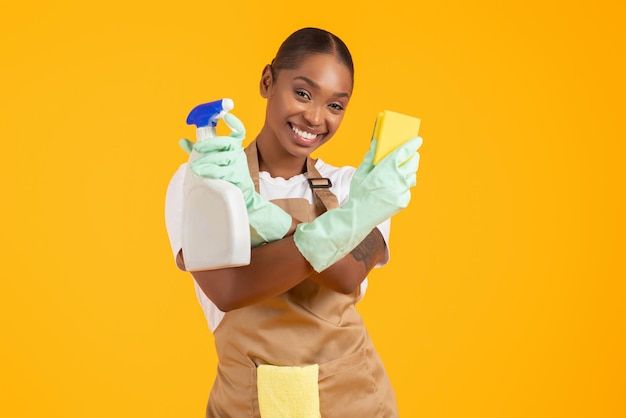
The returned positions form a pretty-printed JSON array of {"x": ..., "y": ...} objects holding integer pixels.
[{"x": 391, "y": 130}]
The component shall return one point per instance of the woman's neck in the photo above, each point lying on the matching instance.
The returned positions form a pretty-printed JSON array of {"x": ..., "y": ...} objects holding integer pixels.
[{"x": 276, "y": 161}]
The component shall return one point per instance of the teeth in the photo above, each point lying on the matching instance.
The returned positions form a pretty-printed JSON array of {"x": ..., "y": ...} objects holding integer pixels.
[{"x": 303, "y": 134}]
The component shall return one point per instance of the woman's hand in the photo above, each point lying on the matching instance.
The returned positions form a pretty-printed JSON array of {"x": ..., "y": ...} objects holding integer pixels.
[
  {"x": 223, "y": 158},
  {"x": 387, "y": 184},
  {"x": 377, "y": 192}
]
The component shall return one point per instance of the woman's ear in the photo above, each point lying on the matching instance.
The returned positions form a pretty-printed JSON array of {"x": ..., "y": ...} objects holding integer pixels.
[{"x": 266, "y": 81}]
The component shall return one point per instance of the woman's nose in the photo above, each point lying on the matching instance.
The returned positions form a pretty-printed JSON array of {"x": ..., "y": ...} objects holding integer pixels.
[{"x": 313, "y": 116}]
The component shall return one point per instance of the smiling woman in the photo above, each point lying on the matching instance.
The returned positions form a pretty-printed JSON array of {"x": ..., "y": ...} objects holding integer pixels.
[{"x": 286, "y": 327}]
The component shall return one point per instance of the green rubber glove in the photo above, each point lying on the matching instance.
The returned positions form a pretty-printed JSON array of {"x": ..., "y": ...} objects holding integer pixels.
[
  {"x": 377, "y": 192},
  {"x": 223, "y": 157}
]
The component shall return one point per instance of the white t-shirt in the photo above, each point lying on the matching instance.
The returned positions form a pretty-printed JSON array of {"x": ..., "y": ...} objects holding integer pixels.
[{"x": 269, "y": 188}]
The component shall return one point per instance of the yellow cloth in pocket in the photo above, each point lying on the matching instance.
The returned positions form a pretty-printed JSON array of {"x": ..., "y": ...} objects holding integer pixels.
[{"x": 288, "y": 391}]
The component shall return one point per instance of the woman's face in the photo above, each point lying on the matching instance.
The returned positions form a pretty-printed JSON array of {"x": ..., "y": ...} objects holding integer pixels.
[{"x": 312, "y": 98}]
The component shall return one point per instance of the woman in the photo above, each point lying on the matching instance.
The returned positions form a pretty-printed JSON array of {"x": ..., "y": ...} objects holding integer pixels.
[{"x": 316, "y": 229}]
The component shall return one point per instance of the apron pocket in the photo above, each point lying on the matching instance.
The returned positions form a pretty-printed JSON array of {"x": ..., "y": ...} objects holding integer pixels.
[
  {"x": 288, "y": 391},
  {"x": 347, "y": 387}
]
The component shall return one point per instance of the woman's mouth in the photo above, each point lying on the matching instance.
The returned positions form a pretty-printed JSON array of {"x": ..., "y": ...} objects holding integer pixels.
[{"x": 303, "y": 137}]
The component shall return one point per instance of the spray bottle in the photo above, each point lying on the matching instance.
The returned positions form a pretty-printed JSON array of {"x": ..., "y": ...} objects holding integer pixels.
[{"x": 215, "y": 220}]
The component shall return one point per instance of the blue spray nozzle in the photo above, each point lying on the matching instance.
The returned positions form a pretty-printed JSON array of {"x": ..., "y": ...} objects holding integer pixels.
[{"x": 208, "y": 113}]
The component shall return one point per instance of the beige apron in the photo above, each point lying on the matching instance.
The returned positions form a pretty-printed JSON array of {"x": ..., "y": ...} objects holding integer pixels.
[{"x": 307, "y": 325}]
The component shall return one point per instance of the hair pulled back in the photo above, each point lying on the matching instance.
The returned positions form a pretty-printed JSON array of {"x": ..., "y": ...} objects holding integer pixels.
[{"x": 308, "y": 41}]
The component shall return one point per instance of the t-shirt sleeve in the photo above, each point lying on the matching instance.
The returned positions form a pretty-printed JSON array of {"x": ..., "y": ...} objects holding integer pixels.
[{"x": 174, "y": 210}]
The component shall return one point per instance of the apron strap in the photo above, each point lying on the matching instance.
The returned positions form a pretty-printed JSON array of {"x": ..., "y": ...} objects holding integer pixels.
[
  {"x": 253, "y": 164},
  {"x": 323, "y": 198}
]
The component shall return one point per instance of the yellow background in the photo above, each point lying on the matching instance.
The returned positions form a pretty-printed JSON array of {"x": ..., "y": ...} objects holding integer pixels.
[{"x": 504, "y": 296}]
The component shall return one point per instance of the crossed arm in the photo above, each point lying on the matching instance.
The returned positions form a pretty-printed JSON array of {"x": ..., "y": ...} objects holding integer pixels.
[{"x": 278, "y": 266}]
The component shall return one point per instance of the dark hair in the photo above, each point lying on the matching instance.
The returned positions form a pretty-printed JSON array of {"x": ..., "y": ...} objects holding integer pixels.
[{"x": 307, "y": 41}]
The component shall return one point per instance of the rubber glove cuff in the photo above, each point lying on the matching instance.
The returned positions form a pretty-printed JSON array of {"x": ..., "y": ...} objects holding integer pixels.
[
  {"x": 268, "y": 222},
  {"x": 332, "y": 235}
]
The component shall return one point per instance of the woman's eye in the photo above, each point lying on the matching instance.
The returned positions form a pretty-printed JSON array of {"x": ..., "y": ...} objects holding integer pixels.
[{"x": 300, "y": 91}]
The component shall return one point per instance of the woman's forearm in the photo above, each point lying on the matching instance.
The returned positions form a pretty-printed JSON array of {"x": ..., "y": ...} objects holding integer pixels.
[
  {"x": 274, "y": 268},
  {"x": 277, "y": 267},
  {"x": 347, "y": 274},
  {"x": 339, "y": 277}
]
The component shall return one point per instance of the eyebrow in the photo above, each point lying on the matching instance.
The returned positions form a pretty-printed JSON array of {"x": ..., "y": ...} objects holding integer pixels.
[{"x": 314, "y": 84}]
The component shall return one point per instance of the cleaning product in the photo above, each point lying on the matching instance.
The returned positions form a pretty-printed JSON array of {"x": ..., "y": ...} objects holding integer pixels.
[{"x": 215, "y": 231}]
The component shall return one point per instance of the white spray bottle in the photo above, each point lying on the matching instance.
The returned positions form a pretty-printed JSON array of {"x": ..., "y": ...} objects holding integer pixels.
[{"x": 215, "y": 231}]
